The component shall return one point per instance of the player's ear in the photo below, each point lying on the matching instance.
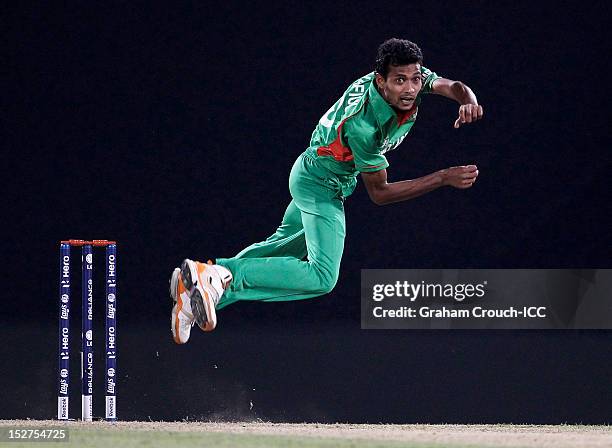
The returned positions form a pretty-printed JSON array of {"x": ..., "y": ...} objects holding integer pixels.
[{"x": 380, "y": 81}]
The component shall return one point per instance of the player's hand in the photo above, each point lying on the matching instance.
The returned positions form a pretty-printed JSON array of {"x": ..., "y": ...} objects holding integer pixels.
[
  {"x": 468, "y": 113},
  {"x": 460, "y": 176}
]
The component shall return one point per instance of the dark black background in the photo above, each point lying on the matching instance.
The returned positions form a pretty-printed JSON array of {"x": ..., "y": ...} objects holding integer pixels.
[{"x": 172, "y": 128}]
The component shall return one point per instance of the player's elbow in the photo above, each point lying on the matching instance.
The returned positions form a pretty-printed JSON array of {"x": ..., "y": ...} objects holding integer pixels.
[
  {"x": 378, "y": 197},
  {"x": 376, "y": 200},
  {"x": 376, "y": 186}
]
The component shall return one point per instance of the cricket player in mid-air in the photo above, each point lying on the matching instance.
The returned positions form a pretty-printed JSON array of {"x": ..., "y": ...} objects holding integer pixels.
[{"x": 302, "y": 258}]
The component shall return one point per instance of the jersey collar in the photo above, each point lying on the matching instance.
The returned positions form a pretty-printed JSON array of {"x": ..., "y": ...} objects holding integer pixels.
[{"x": 383, "y": 112}]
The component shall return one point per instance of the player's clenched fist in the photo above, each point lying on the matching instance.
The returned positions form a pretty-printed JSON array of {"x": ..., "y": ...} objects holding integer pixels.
[
  {"x": 460, "y": 176},
  {"x": 468, "y": 113}
]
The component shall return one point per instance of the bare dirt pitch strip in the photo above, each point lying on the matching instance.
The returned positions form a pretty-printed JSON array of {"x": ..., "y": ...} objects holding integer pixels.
[{"x": 311, "y": 435}]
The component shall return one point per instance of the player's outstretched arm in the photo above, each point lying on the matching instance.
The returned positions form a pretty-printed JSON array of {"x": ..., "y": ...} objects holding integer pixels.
[
  {"x": 469, "y": 109},
  {"x": 382, "y": 193}
]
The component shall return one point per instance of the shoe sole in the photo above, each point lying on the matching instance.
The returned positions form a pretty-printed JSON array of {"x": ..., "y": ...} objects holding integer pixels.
[
  {"x": 174, "y": 284},
  {"x": 179, "y": 303},
  {"x": 202, "y": 305}
]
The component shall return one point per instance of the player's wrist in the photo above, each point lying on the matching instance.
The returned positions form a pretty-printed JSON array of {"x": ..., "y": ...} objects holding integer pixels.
[{"x": 443, "y": 177}]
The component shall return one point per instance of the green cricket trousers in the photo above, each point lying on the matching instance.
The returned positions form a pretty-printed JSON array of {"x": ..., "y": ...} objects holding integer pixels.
[{"x": 302, "y": 258}]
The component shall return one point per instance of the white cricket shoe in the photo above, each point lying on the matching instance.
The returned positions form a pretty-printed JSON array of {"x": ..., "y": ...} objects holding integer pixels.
[
  {"x": 182, "y": 315},
  {"x": 206, "y": 283}
]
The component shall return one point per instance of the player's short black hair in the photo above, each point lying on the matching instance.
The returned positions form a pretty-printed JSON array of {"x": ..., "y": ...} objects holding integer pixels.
[{"x": 397, "y": 52}]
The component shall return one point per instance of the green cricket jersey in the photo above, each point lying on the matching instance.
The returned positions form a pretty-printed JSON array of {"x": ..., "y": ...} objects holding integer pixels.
[{"x": 356, "y": 132}]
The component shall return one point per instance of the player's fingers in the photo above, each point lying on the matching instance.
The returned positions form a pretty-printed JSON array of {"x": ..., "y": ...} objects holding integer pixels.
[
  {"x": 474, "y": 112},
  {"x": 468, "y": 113},
  {"x": 470, "y": 168},
  {"x": 457, "y": 123},
  {"x": 480, "y": 112}
]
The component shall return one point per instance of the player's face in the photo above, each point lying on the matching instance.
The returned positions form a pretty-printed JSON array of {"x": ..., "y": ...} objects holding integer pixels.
[{"x": 402, "y": 85}]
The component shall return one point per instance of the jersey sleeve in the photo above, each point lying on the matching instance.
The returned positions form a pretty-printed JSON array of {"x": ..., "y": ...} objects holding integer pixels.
[
  {"x": 360, "y": 137},
  {"x": 428, "y": 78}
]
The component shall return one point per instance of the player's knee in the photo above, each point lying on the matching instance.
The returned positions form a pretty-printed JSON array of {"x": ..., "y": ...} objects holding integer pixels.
[{"x": 328, "y": 282}]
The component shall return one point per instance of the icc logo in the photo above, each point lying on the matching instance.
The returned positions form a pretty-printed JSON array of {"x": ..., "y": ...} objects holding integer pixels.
[
  {"x": 88, "y": 335},
  {"x": 111, "y": 372},
  {"x": 89, "y": 258}
]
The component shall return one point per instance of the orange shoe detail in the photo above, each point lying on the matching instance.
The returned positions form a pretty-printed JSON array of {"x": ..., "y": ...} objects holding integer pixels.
[{"x": 208, "y": 302}]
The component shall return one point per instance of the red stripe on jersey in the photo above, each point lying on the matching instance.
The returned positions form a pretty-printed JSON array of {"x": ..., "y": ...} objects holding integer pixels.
[
  {"x": 336, "y": 149},
  {"x": 403, "y": 118}
]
